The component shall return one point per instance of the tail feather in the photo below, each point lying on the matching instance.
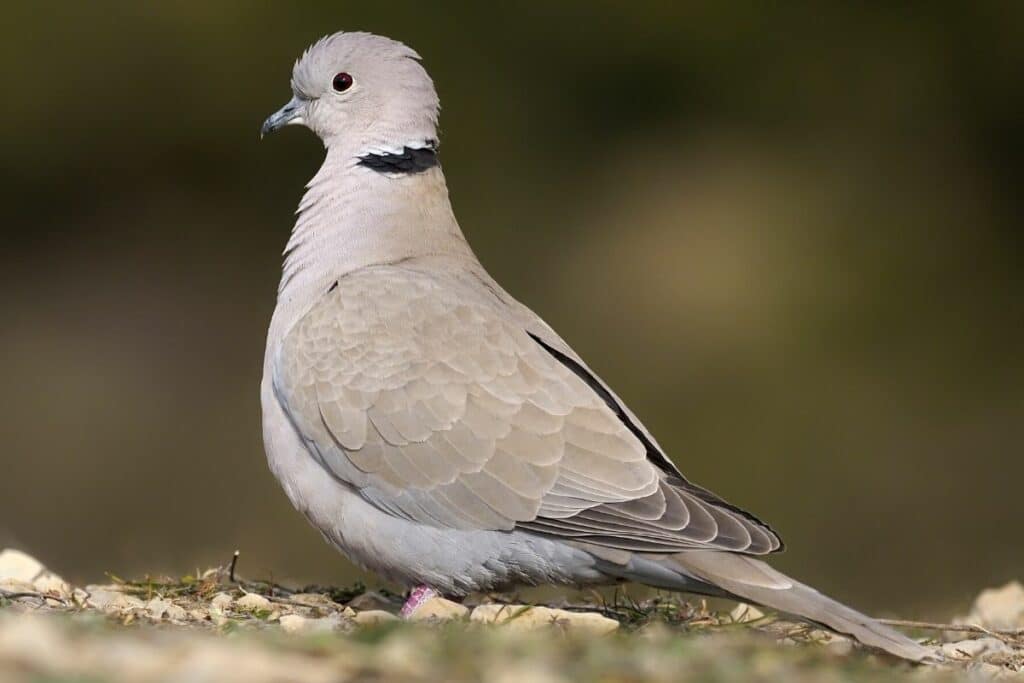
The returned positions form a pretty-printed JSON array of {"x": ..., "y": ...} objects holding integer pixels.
[{"x": 754, "y": 581}]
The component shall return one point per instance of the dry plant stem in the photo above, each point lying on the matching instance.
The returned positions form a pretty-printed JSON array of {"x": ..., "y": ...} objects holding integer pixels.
[
  {"x": 234, "y": 563},
  {"x": 293, "y": 603},
  {"x": 252, "y": 586},
  {"x": 1008, "y": 634},
  {"x": 14, "y": 595}
]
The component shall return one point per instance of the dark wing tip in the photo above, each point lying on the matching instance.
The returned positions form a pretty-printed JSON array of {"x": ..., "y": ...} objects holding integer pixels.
[{"x": 768, "y": 540}]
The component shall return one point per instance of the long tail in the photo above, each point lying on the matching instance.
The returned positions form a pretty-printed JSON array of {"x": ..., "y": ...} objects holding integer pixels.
[{"x": 751, "y": 580}]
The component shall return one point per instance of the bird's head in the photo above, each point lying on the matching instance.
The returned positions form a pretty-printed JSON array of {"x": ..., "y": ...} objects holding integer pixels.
[{"x": 361, "y": 90}]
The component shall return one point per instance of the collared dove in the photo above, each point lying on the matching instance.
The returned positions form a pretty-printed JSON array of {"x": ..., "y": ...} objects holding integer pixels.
[{"x": 437, "y": 431}]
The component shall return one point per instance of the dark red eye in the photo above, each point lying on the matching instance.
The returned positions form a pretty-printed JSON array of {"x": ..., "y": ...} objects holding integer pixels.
[{"x": 342, "y": 82}]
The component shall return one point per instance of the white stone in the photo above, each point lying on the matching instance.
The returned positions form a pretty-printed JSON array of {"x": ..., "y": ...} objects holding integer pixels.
[
  {"x": 969, "y": 649},
  {"x": 372, "y": 600},
  {"x": 19, "y": 566},
  {"x": 156, "y": 607},
  {"x": 317, "y": 600},
  {"x": 221, "y": 601},
  {"x": 20, "y": 572},
  {"x": 252, "y": 602},
  {"x": 529, "y": 618},
  {"x": 16, "y": 586},
  {"x": 51, "y": 584},
  {"x": 159, "y": 608},
  {"x": 439, "y": 609},
  {"x": 501, "y": 614},
  {"x": 744, "y": 613},
  {"x": 176, "y": 613},
  {"x": 372, "y": 617},
  {"x": 113, "y": 601},
  {"x": 293, "y": 623},
  {"x": 590, "y": 623},
  {"x": 80, "y": 597},
  {"x": 999, "y": 608}
]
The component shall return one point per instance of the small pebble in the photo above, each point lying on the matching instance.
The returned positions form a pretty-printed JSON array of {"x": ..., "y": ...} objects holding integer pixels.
[
  {"x": 974, "y": 647},
  {"x": 317, "y": 600},
  {"x": 252, "y": 602},
  {"x": 744, "y": 613},
  {"x": 293, "y": 623},
  {"x": 113, "y": 601},
  {"x": 999, "y": 608},
  {"x": 221, "y": 601},
  {"x": 372, "y": 617},
  {"x": 19, "y": 566},
  {"x": 529, "y": 618},
  {"x": 373, "y": 600},
  {"x": 439, "y": 609},
  {"x": 157, "y": 607},
  {"x": 51, "y": 584}
]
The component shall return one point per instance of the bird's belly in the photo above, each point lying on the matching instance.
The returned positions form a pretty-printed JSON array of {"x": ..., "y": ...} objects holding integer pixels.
[{"x": 455, "y": 561}]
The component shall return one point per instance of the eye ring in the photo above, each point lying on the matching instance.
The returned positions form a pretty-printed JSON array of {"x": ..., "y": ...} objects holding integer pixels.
[{"x": 342, "y": 82}]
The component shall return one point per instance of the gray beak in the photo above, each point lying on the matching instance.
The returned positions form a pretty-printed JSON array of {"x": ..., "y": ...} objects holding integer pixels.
[{"x": 287, "y": 115}]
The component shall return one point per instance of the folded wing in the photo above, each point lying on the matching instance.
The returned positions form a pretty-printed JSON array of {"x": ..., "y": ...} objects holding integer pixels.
[{"x": 426, "y": 394}]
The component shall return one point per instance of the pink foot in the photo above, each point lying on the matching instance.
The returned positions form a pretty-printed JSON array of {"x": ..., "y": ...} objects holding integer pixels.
[{"x": 418, "y": 596}]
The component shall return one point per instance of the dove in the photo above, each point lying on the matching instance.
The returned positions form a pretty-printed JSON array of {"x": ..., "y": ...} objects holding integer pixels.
[{"x": 434, "y": 429}]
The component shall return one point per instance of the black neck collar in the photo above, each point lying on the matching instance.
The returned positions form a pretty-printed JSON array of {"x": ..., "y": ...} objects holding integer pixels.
[{"x": 409, "y": 161}]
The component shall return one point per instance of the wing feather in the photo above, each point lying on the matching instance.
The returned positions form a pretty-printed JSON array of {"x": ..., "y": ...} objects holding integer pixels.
[{"x": 437, "y": 401}]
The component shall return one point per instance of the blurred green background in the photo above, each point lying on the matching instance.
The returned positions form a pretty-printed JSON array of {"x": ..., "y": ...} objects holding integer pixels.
[{"x": 790, "y": 237}]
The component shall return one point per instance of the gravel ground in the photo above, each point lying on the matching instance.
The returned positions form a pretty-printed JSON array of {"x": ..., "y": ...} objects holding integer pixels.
[{"x": 218, "y": 627}]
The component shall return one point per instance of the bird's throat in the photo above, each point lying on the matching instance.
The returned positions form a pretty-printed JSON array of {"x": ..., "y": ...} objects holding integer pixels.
[{"x": 354, "y": 215}]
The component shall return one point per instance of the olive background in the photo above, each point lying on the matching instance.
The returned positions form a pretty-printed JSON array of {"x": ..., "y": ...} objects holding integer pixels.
[{"x": 789, "y": 237}]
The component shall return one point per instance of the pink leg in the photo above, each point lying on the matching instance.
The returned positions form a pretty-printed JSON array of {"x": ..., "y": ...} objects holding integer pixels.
[{"x": 418, "y": 596}]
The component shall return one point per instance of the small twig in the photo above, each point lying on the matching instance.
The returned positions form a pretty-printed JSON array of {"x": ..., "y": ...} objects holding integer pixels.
[
  {"x": 334, "y": 606},
  {"x": 234, "y": 563},
  {"x": 42, "y": 597},
  {"x": 267, "y": 589},
  {"x": 257, "y": 587},
  {"x": 963, "y": 628}
]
